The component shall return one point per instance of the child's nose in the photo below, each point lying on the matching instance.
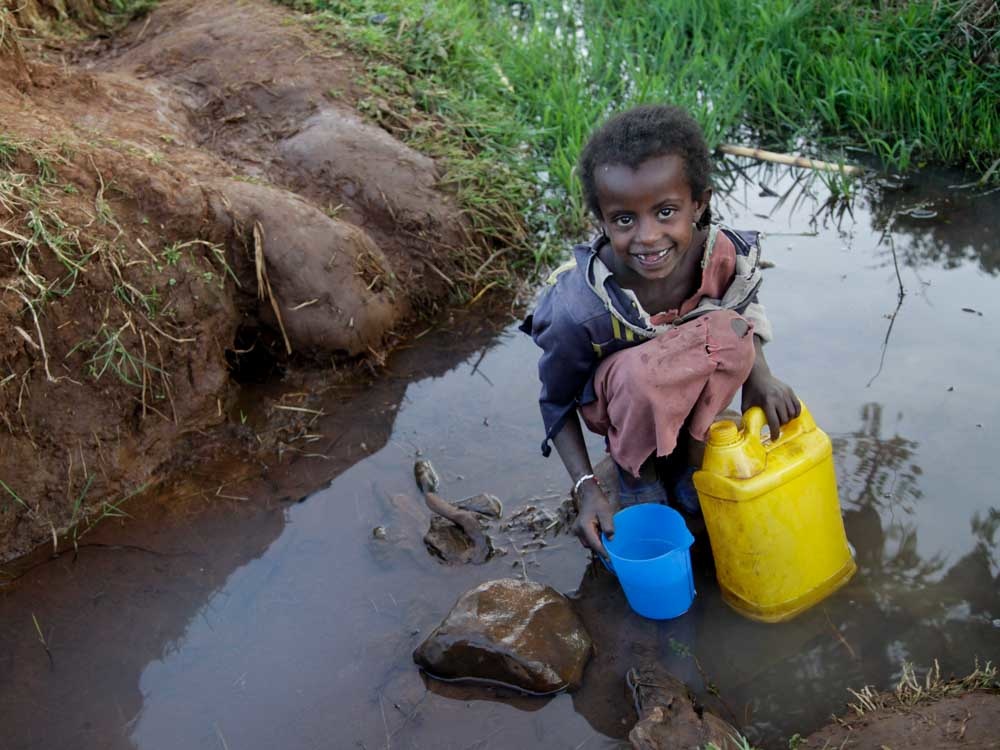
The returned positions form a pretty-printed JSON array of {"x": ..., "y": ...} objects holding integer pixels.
[{"x": 650, "y": 232}]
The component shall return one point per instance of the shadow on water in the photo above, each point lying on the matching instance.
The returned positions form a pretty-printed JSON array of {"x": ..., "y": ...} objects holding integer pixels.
[{"x": 229, "y": 615}]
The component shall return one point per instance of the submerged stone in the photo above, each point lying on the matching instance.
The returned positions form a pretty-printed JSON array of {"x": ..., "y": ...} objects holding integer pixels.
[
  {"x": 451, "y": 544},
  {"x": 518, "y": 633},
  {"x": 669, "y": 719}
]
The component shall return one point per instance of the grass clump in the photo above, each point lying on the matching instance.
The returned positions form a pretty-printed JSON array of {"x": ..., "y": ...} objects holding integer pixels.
[
  {"x": 57, "y": 18},
  {"x": 912, "y": 690}
]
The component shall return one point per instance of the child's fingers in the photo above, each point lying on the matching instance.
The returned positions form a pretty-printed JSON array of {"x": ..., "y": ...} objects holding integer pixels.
[
  {"x": 773, "y": 422},
  {"x": 592, "y": 539},
  {"x": 606, "y": 520}
]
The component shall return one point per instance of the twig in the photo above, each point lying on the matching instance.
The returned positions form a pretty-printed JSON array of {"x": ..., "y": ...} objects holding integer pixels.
[
  {"x": 142, "y": 341},
  {"x": 38, "y": 327},
  {"x": 222, "y": 739},
  {"x": 481, "y": 292},
  {"x": 263, "y": 283},
  {"x": 385, "y": 724},
  {"x": 899, "y": 303},
  {"x": 438, "y": 271},
  {"x": 794, "y": 161},
  {"x": 317, "y": 412},
  {"x": 520, "y": 555},
  {"x": 41, "y": 639}
]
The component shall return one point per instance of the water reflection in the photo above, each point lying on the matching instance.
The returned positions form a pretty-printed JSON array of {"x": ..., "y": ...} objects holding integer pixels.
[
  {"x": 962, "y": 230},
  {"x": 960, "y": 223}
]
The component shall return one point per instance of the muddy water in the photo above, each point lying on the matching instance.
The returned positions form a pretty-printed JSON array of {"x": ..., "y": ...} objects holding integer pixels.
[{"x": 235, "y": 615}]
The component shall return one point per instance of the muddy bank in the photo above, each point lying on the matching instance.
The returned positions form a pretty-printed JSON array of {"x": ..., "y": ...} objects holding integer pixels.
[
  {"x": 196, "y": 197},
  {"x": 922, "y": 712}
]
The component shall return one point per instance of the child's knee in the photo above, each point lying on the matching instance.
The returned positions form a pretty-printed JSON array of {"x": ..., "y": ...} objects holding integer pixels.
[
  {"x": 731, "y": 340},
  {"x": 729, "y": 325},
  {"x": 740, "y": 327}
]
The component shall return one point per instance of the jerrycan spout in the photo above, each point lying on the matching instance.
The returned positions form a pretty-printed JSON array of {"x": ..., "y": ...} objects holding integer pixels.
[{"x": 732, "y": 452}]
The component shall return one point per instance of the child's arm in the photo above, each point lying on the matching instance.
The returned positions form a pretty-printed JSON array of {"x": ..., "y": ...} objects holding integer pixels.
[
  {"x": 779, "y": 402},
  {"x": 595, "y": 513}
]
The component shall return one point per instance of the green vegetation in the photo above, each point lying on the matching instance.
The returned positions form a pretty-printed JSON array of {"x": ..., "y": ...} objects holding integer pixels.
[{"x": 523, "y": 83}]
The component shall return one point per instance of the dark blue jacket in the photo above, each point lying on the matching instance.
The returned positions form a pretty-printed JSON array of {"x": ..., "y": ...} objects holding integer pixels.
[{"x": 576, "y": 328}]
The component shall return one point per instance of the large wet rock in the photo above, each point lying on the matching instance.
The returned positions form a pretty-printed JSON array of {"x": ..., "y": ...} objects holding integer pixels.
[
  {"x": 669, "y": 719},
  {"x": 519, "y": 633}
]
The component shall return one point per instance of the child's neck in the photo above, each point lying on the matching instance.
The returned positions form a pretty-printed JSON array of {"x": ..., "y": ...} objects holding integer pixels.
[{"x": 661, "y": 295}]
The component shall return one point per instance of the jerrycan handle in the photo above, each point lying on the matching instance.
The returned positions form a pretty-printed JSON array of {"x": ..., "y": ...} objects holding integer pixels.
[{"x": 754, "y": 421}]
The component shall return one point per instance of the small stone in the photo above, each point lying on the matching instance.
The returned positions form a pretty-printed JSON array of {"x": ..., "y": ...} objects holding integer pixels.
[
  {"x": 518, "y": 633},
  {"x": 483, "y": 504},
  {"x": 379, "y": 532}
]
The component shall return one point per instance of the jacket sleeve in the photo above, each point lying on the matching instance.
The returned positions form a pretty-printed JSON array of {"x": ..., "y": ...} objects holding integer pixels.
[
  {"x": 566, "y": 363},
  {"x": 761, "y": 325},
  {"x": 748, "y": 246}
]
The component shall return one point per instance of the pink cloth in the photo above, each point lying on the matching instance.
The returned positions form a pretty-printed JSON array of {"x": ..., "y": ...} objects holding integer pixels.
[{"x": 688, "y": 374}]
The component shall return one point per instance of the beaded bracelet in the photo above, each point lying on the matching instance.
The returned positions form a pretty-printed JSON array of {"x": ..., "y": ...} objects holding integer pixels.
[{"x": 581, "y": 480}]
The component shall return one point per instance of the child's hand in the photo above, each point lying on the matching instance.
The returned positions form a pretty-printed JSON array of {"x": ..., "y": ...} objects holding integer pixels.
[
  {"x": 594, "y": 517},
  {"x": 779, "y": 402}
]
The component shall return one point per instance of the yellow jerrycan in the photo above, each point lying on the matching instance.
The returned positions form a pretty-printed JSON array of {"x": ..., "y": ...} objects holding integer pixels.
[{"x": 773, "y": 516}]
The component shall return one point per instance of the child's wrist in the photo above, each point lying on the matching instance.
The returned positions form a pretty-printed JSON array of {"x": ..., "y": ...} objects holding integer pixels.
[{"x": 584, "y": 480}]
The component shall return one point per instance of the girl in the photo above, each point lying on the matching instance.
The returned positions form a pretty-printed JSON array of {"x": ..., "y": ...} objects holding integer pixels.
[{"x": 649, "y": 331}]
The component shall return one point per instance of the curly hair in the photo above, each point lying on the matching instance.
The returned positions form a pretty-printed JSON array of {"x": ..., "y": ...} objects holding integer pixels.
[{"x": 629, "y": 138}]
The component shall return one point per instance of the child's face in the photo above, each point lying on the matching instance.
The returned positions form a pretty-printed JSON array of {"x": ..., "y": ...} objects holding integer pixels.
[{"x": 649, "y": 213}]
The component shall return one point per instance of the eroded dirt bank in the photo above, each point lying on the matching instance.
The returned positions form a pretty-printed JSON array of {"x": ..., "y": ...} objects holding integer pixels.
[{"x": 196, "y": 196}]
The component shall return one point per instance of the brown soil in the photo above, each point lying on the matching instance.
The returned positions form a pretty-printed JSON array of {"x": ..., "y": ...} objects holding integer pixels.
[
  {"x": 967, "y": 721},
  {"x": 197, "y": 193}
]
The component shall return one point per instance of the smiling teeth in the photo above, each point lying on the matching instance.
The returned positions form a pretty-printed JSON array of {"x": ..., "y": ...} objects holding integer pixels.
[{"x": 652, "y": 257}]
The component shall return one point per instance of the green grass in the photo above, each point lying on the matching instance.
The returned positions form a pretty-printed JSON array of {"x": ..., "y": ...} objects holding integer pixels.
[
  {"x": 123, "y": 337},
  {"x": 912, "y": 83}
]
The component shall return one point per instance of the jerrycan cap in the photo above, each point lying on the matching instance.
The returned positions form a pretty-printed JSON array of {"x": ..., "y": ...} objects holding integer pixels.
[{"x": 721, "y": 434}]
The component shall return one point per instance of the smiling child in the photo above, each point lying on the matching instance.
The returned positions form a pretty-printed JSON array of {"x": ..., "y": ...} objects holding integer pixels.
[{"x": 650, "y": 330}]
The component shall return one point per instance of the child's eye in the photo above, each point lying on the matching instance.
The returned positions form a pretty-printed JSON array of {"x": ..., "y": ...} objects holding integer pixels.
[
  {"x": 623, "y": 221},
  {"x": 666, "y": 213}
]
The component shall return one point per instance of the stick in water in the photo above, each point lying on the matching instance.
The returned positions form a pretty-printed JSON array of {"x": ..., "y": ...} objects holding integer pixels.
[
  {"x": 428, "y": 481},
  {"x": 794, "y": 161}
]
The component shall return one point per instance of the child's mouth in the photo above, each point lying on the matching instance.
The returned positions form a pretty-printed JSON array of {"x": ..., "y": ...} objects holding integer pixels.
[{"x": 649, "y": 259}]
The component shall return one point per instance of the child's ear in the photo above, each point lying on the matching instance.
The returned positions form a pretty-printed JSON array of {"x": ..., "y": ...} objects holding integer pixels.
[{"x": 701, "y": 204}]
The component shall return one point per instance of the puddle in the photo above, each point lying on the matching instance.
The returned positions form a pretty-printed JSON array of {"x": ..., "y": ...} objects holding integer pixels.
[{"x": 237, "y": 617}]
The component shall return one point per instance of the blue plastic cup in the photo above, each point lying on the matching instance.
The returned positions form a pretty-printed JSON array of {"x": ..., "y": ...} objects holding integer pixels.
[{"x": 651, "y": 555}]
